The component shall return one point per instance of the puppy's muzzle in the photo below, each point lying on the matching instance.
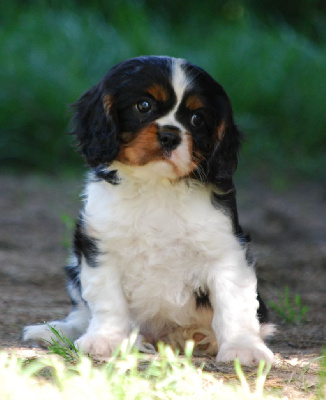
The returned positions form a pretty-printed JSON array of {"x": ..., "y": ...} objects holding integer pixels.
[{"x": 169, "y": 138}]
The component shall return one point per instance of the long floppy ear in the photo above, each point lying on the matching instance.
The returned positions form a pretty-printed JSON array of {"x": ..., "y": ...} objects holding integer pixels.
[
  {"x": 223, "y": 161},
  {"x": 96, "y": 127}
]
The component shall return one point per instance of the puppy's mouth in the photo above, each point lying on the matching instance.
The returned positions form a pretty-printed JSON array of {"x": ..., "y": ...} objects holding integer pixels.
[{"x": 166, "y": 150}]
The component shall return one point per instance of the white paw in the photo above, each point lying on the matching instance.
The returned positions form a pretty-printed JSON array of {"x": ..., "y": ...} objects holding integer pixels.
[
  {"x": 39, "y": 334},
  {"x": 250, "y": 355},
  {"x": 99, "y": 346}
]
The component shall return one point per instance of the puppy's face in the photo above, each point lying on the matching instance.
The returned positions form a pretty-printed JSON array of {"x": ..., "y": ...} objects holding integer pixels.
[{"x": 159, "y": 112}]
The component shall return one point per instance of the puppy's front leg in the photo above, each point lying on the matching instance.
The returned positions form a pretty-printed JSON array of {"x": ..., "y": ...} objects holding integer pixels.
[
  {"x": 109, "y": 323},
  {"x": 233, "y": 295}
]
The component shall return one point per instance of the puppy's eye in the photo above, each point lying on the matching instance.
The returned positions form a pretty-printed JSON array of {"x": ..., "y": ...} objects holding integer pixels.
[
  {"x": 197, "y": 120},
  {"x": 143, "y": 106}
]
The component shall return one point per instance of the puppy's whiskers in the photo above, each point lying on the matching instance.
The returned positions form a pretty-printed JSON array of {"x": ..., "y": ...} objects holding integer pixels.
[{"x": 199, "y": 170}]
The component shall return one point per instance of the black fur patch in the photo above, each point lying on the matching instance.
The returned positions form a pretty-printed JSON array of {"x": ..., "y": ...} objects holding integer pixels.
[
  {"x": 262, "y": 312},
  {"x": 108, "y": 176},
  {"x": 228, "y": 202},
  {"x": 202, "y": 297},
  {"x": 85, "y": 246},
  {"x": 73, "y": 274}
]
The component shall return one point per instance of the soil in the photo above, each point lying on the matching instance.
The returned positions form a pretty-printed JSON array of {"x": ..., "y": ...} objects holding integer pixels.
[{"x": 288, "y": 229}]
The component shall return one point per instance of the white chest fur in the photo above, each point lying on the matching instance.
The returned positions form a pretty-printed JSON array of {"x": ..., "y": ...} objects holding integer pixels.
[{"x": 162, "y": 237}]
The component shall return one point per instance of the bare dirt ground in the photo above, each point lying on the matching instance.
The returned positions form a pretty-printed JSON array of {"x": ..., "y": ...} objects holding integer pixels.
[{"x": 288, "y": 229}]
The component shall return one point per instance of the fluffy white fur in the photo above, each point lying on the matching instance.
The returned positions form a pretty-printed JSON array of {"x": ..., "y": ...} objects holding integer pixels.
[{"x": 159, "y": 242}]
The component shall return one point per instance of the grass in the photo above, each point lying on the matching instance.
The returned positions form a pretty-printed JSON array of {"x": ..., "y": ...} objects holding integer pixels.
[
  {"x": 52, "y": 54},
  {"x": 127, "y": 375},
  {"x": 67, "y": 374},
  {"x": 291, "y": 310},
  {"x": 63, "y": 346},
  {"x": 322, "y": 376}
]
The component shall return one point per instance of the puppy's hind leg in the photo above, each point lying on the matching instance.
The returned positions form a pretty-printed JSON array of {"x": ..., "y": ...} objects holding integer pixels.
[{"x": 71, "y": 327}]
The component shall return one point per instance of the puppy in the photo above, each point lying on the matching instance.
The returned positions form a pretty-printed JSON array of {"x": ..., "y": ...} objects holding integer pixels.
[{"x": 158, "y": 246}]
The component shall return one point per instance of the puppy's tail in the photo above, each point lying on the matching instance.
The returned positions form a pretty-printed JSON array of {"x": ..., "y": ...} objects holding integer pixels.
[{"x": 267, "y": 330}]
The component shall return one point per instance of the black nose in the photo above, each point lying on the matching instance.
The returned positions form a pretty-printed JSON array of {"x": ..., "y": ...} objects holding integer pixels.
[{"x": 169, "y": 140}]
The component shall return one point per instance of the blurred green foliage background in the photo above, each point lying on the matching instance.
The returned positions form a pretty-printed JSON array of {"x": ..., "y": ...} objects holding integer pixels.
[{"x": 270, "y": 56}]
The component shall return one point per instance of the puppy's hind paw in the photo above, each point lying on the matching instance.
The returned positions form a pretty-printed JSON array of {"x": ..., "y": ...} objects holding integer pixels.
[{"x": 38, "y": 334}]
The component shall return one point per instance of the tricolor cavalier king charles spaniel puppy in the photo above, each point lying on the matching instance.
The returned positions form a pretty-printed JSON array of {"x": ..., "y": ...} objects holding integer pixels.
[{"x": 158, "y": 246}]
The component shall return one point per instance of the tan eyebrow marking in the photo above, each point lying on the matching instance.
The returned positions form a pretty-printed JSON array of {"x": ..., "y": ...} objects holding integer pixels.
[
  {"x": 158, "y": 92},
  {"x": 193, "y": 102}
]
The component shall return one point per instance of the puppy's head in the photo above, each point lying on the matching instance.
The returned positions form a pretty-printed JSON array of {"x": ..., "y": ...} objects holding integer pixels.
[{"x": 160, "y": 115}]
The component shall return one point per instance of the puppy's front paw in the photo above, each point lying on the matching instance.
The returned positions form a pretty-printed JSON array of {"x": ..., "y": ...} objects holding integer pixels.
[
  {"x": 250, "y": 355},
  {"x": 98, "y": 346}
]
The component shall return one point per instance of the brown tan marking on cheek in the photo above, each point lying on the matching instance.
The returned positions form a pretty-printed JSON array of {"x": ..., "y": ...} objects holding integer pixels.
[
  {"x": 193, "y": 102},
  {"x": 143, "y": 149},
  {"x": 158, "y": 92}
]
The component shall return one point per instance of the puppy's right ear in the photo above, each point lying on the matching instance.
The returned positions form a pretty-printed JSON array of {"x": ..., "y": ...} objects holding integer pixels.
[{"x": 96, "y": 127}]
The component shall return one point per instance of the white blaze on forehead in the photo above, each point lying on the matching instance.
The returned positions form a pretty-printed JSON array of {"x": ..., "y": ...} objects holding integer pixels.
[
  {"x": 180, "y": 83},
  {"x": 180, "y": 158}
]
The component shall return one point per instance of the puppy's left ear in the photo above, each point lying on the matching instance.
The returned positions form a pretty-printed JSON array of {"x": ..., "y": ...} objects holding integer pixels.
[
  {"x": 223, "y": 160},
  {"x": 96, "y": 127}
]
